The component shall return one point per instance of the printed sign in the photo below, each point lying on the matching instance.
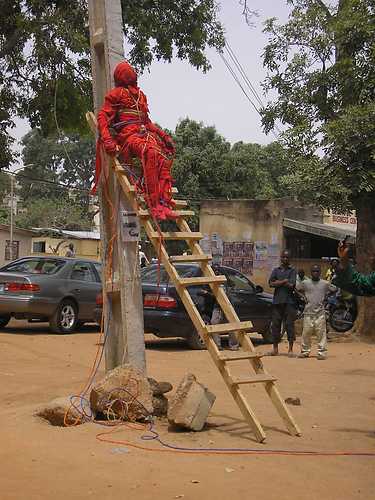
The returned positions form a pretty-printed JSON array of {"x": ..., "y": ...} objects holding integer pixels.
[{"x": 130, "y": 228}]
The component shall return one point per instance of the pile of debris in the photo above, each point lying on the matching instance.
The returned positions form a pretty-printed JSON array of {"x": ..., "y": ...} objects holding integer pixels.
[{"x": 126, "y": 394}]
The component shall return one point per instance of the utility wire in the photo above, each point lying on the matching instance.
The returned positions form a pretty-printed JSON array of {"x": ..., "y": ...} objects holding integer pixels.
[
  {"x": 246, "y": 79},
  {"x": 235, "y": 60},
  {"x": 235, "y": 77}
]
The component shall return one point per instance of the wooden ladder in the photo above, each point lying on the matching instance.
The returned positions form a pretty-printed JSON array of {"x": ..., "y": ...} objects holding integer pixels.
[{"x": 240, "y": 328}]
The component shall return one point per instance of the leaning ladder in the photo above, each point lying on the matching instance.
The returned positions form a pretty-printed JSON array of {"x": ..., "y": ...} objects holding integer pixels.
[{"x": 233, "y": 324}]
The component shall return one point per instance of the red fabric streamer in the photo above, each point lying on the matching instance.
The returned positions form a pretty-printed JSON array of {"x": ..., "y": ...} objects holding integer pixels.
[{"x": 125, "y": 111}]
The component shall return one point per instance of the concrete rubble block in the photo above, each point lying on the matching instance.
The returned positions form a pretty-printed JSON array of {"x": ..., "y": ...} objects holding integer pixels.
[
  {"x": 66, "y": 411},
  {"x": 191, "y": 404},
  {"x": 124, "y": 393},
  {"x": 160, "y": 404},
  {"x": 159, "y": 388}
]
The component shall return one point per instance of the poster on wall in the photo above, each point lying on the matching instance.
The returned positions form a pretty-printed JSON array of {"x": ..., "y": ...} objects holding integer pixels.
[
  {"x": 260, "y": 255},
  {"x": 236, "y": 254},
  {"x": 273, "y": 255},
  {"x": 239, "y": 255}
]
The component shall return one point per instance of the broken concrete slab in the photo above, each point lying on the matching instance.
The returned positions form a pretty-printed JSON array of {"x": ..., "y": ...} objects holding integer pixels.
[
  {"x": 124, "y": 393},
  {"x": 191, "y": 404},
  {"x": 66, "y": 411},
  {"x": 159, "y": 388},
  {"x": 160, "y": 404}
]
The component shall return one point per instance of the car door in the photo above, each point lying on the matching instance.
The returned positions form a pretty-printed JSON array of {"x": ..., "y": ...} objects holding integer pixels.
[
  {"x": 241, "y": 293},
  {"x": 84, "y": 286}
]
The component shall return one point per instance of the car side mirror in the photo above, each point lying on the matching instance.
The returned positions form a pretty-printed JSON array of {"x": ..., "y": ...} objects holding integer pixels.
[{"x": 258, "y": 289}]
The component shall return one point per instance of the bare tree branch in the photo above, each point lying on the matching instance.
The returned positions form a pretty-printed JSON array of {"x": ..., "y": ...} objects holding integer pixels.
[
  {"x": 324, "y": 7},
  {"x": 248, "y": 13}
]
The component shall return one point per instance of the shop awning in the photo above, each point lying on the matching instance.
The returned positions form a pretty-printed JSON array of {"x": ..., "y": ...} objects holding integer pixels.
[{"x": 323, "y": 230}]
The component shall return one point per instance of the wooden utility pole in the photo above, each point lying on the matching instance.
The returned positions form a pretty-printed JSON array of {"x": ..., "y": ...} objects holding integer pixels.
[{"x": 122, "y": 292}]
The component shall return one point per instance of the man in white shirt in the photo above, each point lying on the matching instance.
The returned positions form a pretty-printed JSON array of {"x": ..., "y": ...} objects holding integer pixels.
[{"x": 315, "y": 291}]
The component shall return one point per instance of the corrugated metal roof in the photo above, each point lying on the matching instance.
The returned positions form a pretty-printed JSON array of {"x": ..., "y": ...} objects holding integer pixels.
[
  {"x": 324, "y": 230},
  {"x": 79, "y": 235}
]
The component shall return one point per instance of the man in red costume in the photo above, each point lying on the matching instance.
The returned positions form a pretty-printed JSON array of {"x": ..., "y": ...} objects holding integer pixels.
[{"x": 125, "y": 110}]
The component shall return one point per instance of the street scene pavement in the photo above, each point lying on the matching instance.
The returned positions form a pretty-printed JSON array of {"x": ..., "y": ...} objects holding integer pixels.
[{"x": 336, "y": 415}]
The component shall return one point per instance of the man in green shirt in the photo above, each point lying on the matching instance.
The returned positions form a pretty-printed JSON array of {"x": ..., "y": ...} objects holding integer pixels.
[{"x": 351, "y": 280}]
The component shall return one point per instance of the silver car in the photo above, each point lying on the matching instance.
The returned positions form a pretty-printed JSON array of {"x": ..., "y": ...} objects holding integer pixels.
[{"x": 59, "y": 290}]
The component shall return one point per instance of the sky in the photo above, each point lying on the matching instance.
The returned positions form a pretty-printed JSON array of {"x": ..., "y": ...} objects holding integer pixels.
[{"x": 177, "y": 90}]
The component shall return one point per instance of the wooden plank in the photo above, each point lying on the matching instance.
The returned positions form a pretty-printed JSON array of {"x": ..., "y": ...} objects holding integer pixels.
[
  {"x": 179, "y": 203},
  {"x": 255, "y": 379},
  {"x": 123, "y": 312},
  {"x": 122, "y": 171},
  {"x": 190, "y": 258},
  {"x": 238, "y": 326},
  {"x": 179, "y": 213},
  {"x": 203, "y": 280},
  {"x": 177, "y": 235},
  {"x": 238, "y": 356},
  {"x": 112, "y": 286}
]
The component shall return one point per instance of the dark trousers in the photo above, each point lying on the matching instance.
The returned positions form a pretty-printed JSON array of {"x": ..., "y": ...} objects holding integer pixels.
[{"x": 283, "y": 314}]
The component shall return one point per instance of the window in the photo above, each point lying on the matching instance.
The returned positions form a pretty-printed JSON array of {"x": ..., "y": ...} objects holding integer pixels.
[
  {"x": 35, "y": 266},
  {"x": 16, "y": 250},
  {"x": 237, "y": 282},
  {"x": 39, "y": 247},
  {"x": 154, "y": 275},
  {"x": 99, "y": 269},
  {"x": 82, "y": 271}
]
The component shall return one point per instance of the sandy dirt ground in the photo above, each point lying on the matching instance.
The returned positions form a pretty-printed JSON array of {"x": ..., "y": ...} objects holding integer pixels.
[{"x": 39, "y": 461}]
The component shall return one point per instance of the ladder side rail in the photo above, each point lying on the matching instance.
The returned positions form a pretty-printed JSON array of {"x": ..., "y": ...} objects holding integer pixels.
[
  {"x": 198, "y": 322},
  {"x": 246, "y": 343}
]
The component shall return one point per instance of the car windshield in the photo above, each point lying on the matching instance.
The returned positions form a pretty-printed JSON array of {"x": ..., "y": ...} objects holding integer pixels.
[
  {"x": 159, "y": 274},
  {"x": 154, "y": 275},
  {"x": 35, "y": 266}
]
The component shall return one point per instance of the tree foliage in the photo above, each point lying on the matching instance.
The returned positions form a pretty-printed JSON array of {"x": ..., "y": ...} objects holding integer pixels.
[
  {"x": 207, "y": 166},
  {"x": 56, "y": 162},
  {"x": 321, "y": 63},
  {"x": 54, "y": 213},
  {"x": 45, "y": 71}
]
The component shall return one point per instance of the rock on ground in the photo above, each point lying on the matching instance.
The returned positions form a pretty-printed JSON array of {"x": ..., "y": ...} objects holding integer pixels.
[
  {"x": 66, "y": 411},
  {"x": 159, "y": 388},
  {"x": 160, "y": 404},
  {"x": 124, "y": 393},
  {"x": 190, "y": 406}
]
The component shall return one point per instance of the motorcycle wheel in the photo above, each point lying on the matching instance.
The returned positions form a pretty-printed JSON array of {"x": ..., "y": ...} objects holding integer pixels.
[{"x": 341, "y": 320}]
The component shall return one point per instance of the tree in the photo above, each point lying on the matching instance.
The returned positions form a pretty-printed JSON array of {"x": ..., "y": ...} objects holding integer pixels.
[
  {"x": 57, "y": 214},
  {"x": 256, "y": 171},
  {"x": 321, "y": 63},
  {"x": 56, "y": 162},
  {"x": 4, "y": 185},
  {"x": 199, "y": 170},
  {"x": 45, "y": 73},
  {"x": 206, "y": 165}
]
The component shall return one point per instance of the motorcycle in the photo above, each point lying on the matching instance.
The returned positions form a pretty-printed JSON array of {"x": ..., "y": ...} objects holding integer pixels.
[{"x": 341, "y": 312}]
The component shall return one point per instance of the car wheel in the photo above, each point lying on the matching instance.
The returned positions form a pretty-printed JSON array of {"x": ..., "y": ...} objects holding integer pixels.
[
  {"x": 195, "y": 341},
  {"x": 4, "y": 320},
  {"x": 65, "y": 318}
]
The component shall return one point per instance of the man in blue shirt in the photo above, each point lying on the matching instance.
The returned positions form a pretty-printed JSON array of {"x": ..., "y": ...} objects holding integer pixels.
[{"x": 283, "y": 280}]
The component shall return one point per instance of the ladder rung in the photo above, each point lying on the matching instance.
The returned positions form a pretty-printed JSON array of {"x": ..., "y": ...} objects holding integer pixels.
[
  {"x": 179, "y": 213},
  {"x": 202, "y": 280},
  {"x": 255, "y": 379},
  {"x": 239, "y": 356},
  {"x": 190, "y": 258},
  {"x": 229, "y": 327},
  {"x": 178, "y": 235},
  {"x": 180, "y": 203},
  {"x": 132, "y": 187}
]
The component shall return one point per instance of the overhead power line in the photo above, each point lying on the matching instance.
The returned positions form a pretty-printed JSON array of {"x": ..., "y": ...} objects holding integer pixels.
[{"x": 237, "y": 72}]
